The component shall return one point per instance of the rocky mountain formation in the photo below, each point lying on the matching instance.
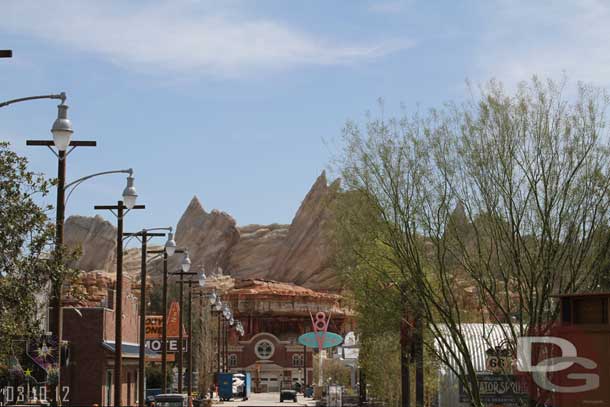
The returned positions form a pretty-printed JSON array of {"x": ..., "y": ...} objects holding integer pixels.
[{"x": 298, "y": 253}]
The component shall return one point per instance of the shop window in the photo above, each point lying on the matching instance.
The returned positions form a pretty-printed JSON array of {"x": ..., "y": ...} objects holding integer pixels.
[
  {"x": 233, "y": 360},
  {"x": 297, "y": 360},
  {"x": 108, "y": 387}
]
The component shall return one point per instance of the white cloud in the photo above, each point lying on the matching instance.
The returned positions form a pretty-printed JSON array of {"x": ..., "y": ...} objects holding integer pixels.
[
  {"x": 548, "y": 39},
  {"x": 180, "y": 36}
]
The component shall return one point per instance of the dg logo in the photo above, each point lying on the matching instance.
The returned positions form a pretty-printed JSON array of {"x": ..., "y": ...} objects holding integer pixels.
[{"x": 569, "y": 357}]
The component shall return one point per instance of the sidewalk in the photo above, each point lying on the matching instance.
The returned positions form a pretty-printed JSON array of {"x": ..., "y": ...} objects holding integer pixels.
[{"x": 266, "y": 400}]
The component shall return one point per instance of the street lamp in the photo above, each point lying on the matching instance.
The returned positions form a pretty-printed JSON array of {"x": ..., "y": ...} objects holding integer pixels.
[
  {"x": 129, "y": 194},
  {"x": 170, "y": 246},
  {"x": 185, "y": 266},
  {"x": 202, "y": 279},
  {"x": 186, "y": 262},
  {"x": 225, "y": 346},
  {"x": 201, "y": 283},
  {"x": 62, "y": 128},
  {"x": 218, "y": 306},
  {"x": 144, "y": 236},
  {"x": 121, "y": 210}
]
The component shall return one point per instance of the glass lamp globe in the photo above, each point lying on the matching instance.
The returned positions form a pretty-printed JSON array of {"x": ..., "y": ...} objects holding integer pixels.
[
  {"x": 202, "y": 279},
  {"x": 129, "y": 194},
  {"x": 62, "y": 129},
  {"x": 186, "y": 263},
  {"x": 170, "y": 245}
]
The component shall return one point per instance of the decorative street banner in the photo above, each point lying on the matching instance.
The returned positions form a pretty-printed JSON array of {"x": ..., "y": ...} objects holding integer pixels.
[{"x": 311, "y": 340}]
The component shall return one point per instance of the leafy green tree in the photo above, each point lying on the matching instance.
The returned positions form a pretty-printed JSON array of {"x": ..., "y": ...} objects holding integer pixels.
[{"x": 25, "y": 236}]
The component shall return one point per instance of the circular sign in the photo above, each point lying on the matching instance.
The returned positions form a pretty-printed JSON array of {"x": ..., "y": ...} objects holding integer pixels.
[{"x": 313, "y": 339}]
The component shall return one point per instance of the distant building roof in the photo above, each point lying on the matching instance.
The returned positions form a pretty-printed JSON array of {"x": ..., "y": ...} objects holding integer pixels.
[
  {"x": 279, "y": 298},
  {"x": 257, "y": 287}
]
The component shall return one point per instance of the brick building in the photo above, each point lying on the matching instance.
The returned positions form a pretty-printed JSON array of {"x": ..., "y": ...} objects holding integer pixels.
[
  {"x": 274, "y": 315},
  {"x": 89, "y": 327}
]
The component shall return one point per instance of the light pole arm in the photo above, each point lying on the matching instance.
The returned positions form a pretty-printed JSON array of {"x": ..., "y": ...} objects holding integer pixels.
[
  {"x": 77, "y": 182},
  {"x": 61, "y": 96},
  {"x": 169, "y": 228}
]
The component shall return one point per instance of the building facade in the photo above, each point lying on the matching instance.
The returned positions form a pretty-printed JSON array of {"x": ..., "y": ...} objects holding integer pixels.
[
  {"x": 274, "y": 315},
  {"x": 89, "y": 328}
]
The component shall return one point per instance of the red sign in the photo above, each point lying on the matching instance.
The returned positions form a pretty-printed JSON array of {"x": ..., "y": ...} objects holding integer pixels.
[{"x": 154, "y": 333}]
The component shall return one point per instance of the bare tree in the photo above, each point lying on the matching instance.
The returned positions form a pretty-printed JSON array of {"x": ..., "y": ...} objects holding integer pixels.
[{"x": 506, "y": 195}]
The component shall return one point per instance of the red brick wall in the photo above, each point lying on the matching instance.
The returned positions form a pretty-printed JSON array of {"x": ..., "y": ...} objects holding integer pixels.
[
  {"x": 86, "y": 375},
  {"x": 87, "y": 357},
  {"x": 131, "y": 322}
]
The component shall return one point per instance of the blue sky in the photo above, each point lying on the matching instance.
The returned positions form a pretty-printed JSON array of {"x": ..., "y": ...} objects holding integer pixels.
[{"x": 242, "y": 102}]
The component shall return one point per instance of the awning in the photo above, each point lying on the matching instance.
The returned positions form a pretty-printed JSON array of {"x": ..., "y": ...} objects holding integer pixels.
[{"x": 128, "y": 350}]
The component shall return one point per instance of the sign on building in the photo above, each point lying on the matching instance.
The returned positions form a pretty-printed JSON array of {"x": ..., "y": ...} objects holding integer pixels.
[
  {"x": 498, "y": 389},
  {"x": 154, "y": 333}
]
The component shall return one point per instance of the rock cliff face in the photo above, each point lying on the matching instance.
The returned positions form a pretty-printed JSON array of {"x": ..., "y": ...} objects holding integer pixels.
[
  {"x": 258, "y": 247},
  {"x": 298, "y": 253},
  {"x": 304, "y": 255},
  {"x": 208, "y": 237},
  {"x": 95, "y": 237}
]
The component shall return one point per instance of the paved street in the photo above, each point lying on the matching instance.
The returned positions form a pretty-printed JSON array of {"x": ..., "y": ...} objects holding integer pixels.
[{"x": 266, "y": 400}]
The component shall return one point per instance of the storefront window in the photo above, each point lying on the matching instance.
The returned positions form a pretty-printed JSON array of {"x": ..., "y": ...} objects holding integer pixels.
[{"x": 108, "y": 387}]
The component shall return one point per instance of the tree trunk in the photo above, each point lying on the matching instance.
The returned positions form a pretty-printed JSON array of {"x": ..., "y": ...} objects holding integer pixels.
[
  {"x": 405, "y": 382},
  {"x": 418, "y": 348}
]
